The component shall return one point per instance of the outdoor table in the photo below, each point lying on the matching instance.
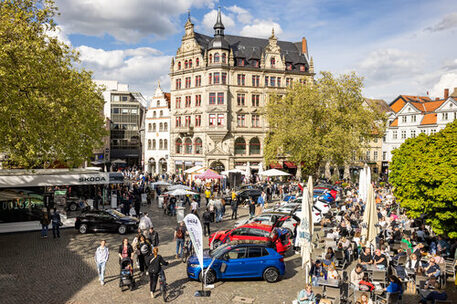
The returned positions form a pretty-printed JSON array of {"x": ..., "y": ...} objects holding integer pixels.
[
  {"x": 372, "y": 267},
  {"x": 328, "y": 282}
]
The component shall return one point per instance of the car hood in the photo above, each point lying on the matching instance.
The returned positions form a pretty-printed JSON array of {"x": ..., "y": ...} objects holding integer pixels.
[
  {"x": 206, "y": 259},
  {"x": 129, "y": 219}
]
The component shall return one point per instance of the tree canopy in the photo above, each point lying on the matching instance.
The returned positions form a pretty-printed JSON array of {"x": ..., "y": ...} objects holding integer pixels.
[
  {"x": 50, "y": 111},
  {"x": 320, "y": 122},
  {"x": 424, "y": 173}
]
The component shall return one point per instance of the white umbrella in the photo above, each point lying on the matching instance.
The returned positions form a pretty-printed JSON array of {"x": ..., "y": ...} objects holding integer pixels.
[
  {"x": 175, "y": 187},
  {"x": 233, "y": 171},
  {"x": 160, "y": 183},
  {"x": 178, "y": 192},
  {"x": 304, "y": 231},
  {"x": 274, "y": 172},
  {"x": 193, "y": 169},
  {"x": 370, "y": 219},
  {"x": 363, "y": 184},
  {"x": 309, "y": 187}
]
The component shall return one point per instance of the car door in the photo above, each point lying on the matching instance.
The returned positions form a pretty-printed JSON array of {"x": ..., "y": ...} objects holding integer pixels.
[
  {"x": 107, "y": 221},
  {"x": 235, "y": 263},
  {"x": 254, "y": 264},
  {"x": 237, "y": 234}
]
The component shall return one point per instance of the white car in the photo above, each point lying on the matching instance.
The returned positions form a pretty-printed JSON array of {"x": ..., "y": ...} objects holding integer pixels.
[
  {"x": 317, "y": 213},
  {"x": 323, "y": 206},
  {"x": 270, "y": 218}
]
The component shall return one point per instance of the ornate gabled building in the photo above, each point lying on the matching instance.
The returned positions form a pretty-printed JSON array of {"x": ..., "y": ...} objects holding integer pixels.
[{"x": 219, "y": 88}]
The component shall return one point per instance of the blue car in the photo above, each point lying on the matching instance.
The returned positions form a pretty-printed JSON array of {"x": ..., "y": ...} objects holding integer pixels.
[
  {"x": 238, "y": 260},
  {"x": 323, "y": 195}
]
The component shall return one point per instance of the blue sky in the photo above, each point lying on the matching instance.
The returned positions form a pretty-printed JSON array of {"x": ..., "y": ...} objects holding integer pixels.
[{"x": 400, "y": 47}]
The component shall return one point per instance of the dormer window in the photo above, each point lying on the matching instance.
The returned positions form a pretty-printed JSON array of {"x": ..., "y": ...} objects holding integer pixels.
[
  {"x": 302, "y": 67},
  {"x": 216, "y": 57},
  {"x": 179, "y": 65},
  {"x": 289, "y": 66},
  {"x": 240, "y": 62},
  {"x": 197, "y": 62},
  {"x": 255, "y": 63},
  {"x": 224, "y": 58},
  {"x": 190, "y": 63},
  {"x": 272, "y": 62}
]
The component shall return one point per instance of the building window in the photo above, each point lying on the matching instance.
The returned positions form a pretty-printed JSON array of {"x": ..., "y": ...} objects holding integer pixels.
[
  {"x": 279, "y": 81},
  {"x": 178, "y": 84},
  {"x": 445, "y": 116},
  {"x": 240, "y": 146},
  {"x": 368, "y": 156},
  {"x": 198, "y": 100},
  {"x": 220, "y": 98},
  {"x": 432, "y": 131},
  {"x": 210, "y": 58},
  {"x": 240, "y": 100},
  {"x": 302, "y": 67},
  {"x": 240, "y": 62},
  {"x": 160, "y": 144},
  {"x": 375, "y": 155},
  {"x": 224, "y": 78},
  {"x": 220, "y": 119},
  {"x": 198, "y": 120},
  {"x": 154, "y": 114},
  {"x": 190, "y": 63},
  {"x": 212, "y": 98},
  {"x": 161, "y": 113},
  {"x": 403, "y": 134},
  {"x": 185, "y": 64},
  {"x": 255, "y": 63},
  {"x": 210, "y": 78},
  {"x": 212, "y": 120},
  {"x": 272, "y": 81},
  {"x": 413, "y": 133},
  {"x": 178, "y": 102},
  {"x": 288, "y": 66},
  {"x": 178, "y": 146},
  {"x": 153, "y": 144},
  {"x": 179, "y": 65},
  {"x": 216, "y": 78},
  {"x": 216, "y": 57},
  {"x": 197, "y": 62},
  {"x": 149, "y": 127},
  {"x": 154, "y": 127},
  {"x": 255, "y": 100},
  {"x": 254, "y": 146},
  {"x": 158, "y": 103},
  {"x": 149, "y": 144},
  {"x": 288, "y": 82},
  {"x": 241, "y": 120},
  {"x": 188, "y": 102},
  {"x": 160, "y": 127},
  {"x": 403, "y": 119},
  {"x": 273, "y": 62},
  {"x": 198, "y": 81},
  {"x": 165, "y": 127},
  {"x": 198, "y": 146},
  {"x": 178, "y": 121},
  {"x": 188, "y": 146},
  {"x": 187, "y": 121},
  {"x": 266, "y": 80},
  {"x": 384, "y": 156},
  {"x": 188, "y": 82},
  {"x": 255, "y": 121},
  {"x": 224, "y": 58},
  {"x": 394, "y": 134},
  {"x": 241, "y": 79},
  {"x": 165, "y": 144},
  {"x": 413, "y": 118},
  {"x": 255, "y": 80}
]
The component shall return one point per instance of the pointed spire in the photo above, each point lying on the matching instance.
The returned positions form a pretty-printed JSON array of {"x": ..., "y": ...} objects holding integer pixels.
[
  {"x": 219, "y": 27},
  {"x": 158, "y": 84},
  {"x": 188, "y": 15}
]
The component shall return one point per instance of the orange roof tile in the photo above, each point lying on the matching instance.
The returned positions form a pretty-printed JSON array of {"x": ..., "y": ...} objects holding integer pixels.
[
  {"x": 397, "y": 105},
  {"x": 429, "y": 119},
  {"x": 416, "y": 98},
  {"x": 394, "y": 123},
  {"x": 429, "y": 106}
]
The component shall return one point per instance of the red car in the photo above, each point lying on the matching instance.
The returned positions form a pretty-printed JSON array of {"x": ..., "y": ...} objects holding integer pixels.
[
  {"x": 253, "y": 231},
  {"x": 332, "y": 191}
]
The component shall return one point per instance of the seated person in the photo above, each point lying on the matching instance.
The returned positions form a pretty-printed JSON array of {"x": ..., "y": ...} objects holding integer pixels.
[
  {"x": 365, "y": 284},
  {"x": 331, "y": 252},
  {"x": 379, "y": 259},
  {"x": 395, "y": 285},
  {"x": 327, "y": 262},
  {"x": 317, "y": 271},
  {"x": 332, "y": 273},
  {"x": 365, "y": 299},
  {"x": 306, "y": 296},
  {"x": 365, "y": 257},
  {"x": 356, "y": 275},
  {"x": 413, "y": 263},
  {"x": 432, "y": 269},
  {"x": 332, "y": 234}
]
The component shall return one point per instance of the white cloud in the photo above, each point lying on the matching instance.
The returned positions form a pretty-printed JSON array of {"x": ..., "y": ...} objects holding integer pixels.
[
  {"x": 59, "y": 33},
  {"x": 140, "y": 67},
  {"x": 126, "y": 21},
  {"x": 447, "y": 81},
  {"x": 243, "y": 16},
  {"x": 449, "y": 21},
  {"x": 261, "y": 29},
  {"x": 209, "y": 19}
]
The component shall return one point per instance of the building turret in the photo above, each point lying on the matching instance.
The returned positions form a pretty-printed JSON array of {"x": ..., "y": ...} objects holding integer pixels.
[{"x": 219, "y": 41}]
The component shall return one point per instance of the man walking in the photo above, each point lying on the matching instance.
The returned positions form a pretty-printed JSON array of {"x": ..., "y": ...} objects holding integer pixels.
[
  {"x": 234, "y": 206},
  {"x": 153, "y": 237},
  {"x": 180, "y": 235},
  {"x": 206, "y": 221},
  {"x": 55, "y": 219},
  {"x": 101, "y": 257},
  {"x": 44, "y": 221},
  {"x": 145, "y": 224}
]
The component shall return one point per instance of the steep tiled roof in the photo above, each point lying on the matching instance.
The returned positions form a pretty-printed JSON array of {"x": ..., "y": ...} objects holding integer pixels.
[
  {"x": 416, "y": 98},
  {"x": 429, "y": 119},
  {"x": 397, "y": 104},
  {"x": 428, "y": 106},
  {"x": 394, "y": 123}
]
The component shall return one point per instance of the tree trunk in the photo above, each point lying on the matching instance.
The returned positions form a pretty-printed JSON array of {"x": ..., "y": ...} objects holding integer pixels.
[
  {"x": 327, "y": 173},
  {"x": 298, "y": 174},
  {"x": 346, "y": 174}
]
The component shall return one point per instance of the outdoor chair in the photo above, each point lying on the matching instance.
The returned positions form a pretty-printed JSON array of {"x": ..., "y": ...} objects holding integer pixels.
[
  {"x": 379, "y": 276},
  {"x": 389, "y": 298},
  {"x": 340, "y": 261},
  {"x": 318, "y": 291},
  {"x": 402, "y": 260},
  {"x": 332, "y": 293}
]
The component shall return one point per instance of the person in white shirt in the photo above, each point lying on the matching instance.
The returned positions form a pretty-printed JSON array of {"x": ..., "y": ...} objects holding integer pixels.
[
  {"x": 132, "y": 211},
  {"x": 145, "y": 224},
  {"x": 101, "y": 257}
]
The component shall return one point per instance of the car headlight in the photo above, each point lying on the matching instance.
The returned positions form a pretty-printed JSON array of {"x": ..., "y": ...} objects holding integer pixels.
[{"x": 194, "y": 265}]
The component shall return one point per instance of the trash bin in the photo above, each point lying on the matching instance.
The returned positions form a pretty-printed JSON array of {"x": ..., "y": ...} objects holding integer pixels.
[
  {"x": 179, "y": 214},
  {"x": 160, "y": 201}
]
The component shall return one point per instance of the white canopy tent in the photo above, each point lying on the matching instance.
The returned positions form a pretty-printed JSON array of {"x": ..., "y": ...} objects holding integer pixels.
[
  {"x": 180, "y": 187},
  {"x": 274, "y": 172},
  {"x": 178, "y": 192}
]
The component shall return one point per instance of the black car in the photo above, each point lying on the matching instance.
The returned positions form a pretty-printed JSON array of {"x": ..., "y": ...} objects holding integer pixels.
[
  {"x": 246, "y": 194},
  {"x": 105, "y": 220}
]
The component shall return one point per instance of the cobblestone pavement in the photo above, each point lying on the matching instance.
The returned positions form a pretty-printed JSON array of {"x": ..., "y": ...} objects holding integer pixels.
[{"x": 35, "y": 270}]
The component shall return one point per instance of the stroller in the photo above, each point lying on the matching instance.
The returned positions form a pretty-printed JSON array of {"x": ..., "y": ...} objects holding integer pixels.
[{"x": 126, "y": 276}]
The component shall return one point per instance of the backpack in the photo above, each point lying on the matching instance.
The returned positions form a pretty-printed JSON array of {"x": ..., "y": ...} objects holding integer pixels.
[{"x": 179, "y": 234}]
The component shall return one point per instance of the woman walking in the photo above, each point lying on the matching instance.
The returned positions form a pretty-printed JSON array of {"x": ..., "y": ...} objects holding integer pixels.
[{"x": 154, "y": 263}]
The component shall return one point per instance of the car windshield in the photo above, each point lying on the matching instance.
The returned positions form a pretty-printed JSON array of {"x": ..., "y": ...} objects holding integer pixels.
[
  {"x": 115, "y": 213},
  {"x": 219, "y": 250}
]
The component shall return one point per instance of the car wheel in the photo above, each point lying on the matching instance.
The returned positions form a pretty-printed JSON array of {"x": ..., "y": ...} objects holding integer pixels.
[
  {"x": 73, "y": 207},
  {"x": 122, "y": 229},
  {"x": 210, "y": 276},
  {"x": 271, "y": 275},
  {"x": 83, "y": 228}
]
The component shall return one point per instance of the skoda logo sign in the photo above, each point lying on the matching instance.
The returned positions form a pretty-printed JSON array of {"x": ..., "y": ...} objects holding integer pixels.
[{"x": 92, "y": 179}]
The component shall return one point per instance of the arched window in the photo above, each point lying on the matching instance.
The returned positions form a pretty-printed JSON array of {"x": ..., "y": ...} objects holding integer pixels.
[
  {"x": 165, "y": 126},
  {"x": 149, "y": 144},
  {"x": 149, "y": 127},
  {"x": 178, "y": 146},
  {"x": 240, "y": 146},
  {"x": 188, "y": 146},
  {"x": 197, "y": 62},
  {"x": 210, "y": 58},
  {"x": 160, "y": 127},
  {"x": 190, "y": 63},
  {"x": 179, "y": 65},
  {"x": 165, "y": 144},
  {"x": 161, "y": 113},
  {"x": 158, "y": 103},
  {"x": 224, "y": 58},
  {"x": 216, "y": 57},
  {"x": 160, "y": 144},
  {"x": 254, "y": 146},
  {"x": 185, "y": 64},
  {"x": 198, "y": 146},
  {"x": 153, "y": 127},
  {"x": 272, "y": 62},
  {"x": 153, "y": 144}
]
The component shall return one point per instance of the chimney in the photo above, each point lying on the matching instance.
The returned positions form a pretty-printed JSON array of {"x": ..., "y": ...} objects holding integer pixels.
[
  {"x": 304, "y": 46},
  {"x": 437, "y": 98},
  {"x": 446, "y": 93}
]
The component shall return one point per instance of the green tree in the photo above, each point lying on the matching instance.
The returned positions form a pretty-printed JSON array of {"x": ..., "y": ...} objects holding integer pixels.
[
  {"x": 320, "y": 122},
  {"x": 424, "y": 173},
  {"x": 50, "y": 111}
]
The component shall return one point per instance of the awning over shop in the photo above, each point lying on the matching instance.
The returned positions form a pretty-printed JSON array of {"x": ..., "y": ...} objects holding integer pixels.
[
  {"x": 290, "y": 165},
  {"x": 275, "y": 166}
]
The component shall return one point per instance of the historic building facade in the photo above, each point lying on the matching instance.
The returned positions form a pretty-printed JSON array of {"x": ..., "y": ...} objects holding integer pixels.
[
  {"x": 157, "y": 133},
  {"x": 219, "y": 87}
]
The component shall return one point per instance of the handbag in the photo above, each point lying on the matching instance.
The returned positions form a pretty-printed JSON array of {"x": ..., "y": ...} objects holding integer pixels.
[{"x": 60, "y": 224}]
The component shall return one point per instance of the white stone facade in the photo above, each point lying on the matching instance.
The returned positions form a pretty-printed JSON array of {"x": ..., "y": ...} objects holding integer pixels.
[{"x": 156, "y": 146}]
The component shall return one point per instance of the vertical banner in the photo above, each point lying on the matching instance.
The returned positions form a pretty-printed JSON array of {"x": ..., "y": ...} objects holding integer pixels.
[{"x": 194, "y": 228}]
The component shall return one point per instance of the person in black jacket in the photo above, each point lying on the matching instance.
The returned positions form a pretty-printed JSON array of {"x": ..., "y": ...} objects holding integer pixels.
[
  {"x": 153, "y": 237},
  {"x": 154, "y": 263},
  {"x": 125, "y": 250},
  {"x": 206, "y": 221}
]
